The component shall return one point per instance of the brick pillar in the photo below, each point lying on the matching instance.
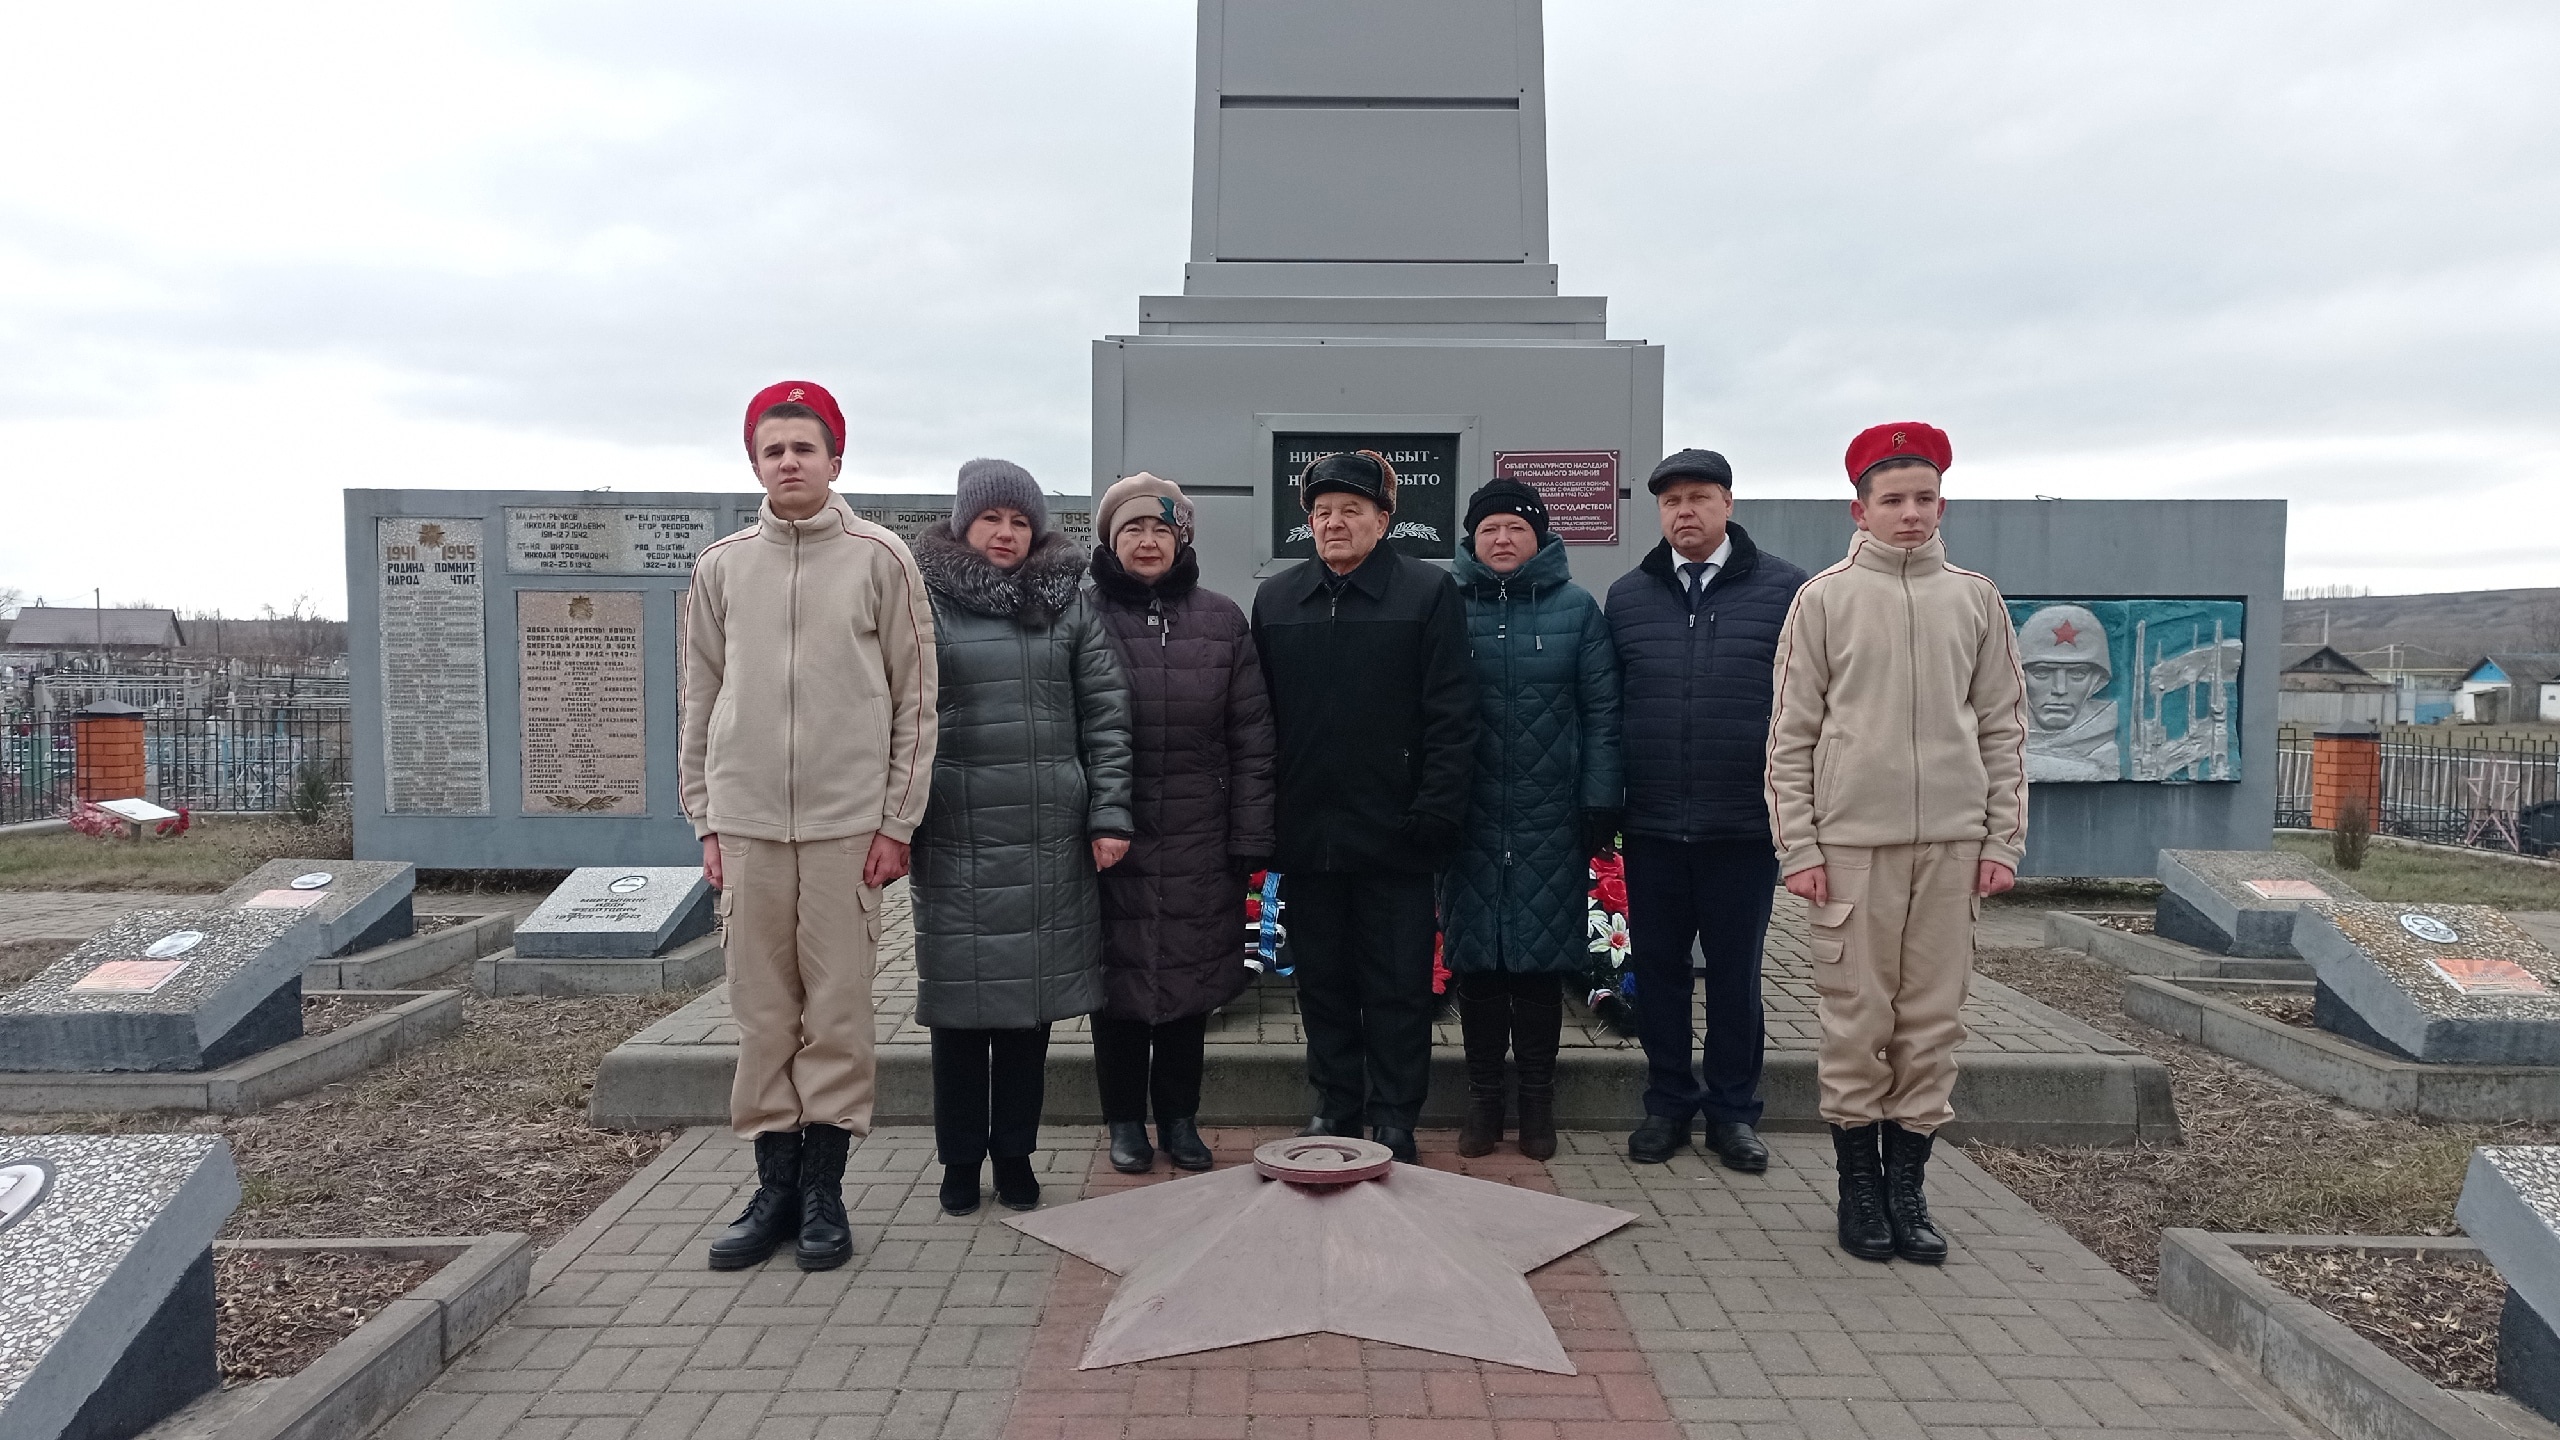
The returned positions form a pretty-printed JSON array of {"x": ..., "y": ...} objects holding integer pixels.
[
  {"x": 2345, "y": 765},
  {"x": 107, "y": 757}
]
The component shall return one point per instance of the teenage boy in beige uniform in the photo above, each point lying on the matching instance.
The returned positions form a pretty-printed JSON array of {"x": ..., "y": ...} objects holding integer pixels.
[
  {"x": 806, "y": 759},
  {"x": 1898, "y": 799}
]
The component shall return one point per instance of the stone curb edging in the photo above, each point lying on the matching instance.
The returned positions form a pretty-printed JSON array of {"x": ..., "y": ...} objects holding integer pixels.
[
  {"x": 293, "y": 1068},
  {"x": 2141, "y": 954},
  {"x": 365, "y": 1378},
  {"x": 691, "y": 965},
  {"x": 2322, "y": 1368},
  {"x": 403, "y": 963},
  {"x": 2340, "y": 1069},
  {"x": 2111, "y": 1095}
]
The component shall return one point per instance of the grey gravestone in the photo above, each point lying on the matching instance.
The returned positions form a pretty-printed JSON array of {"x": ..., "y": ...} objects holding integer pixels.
[
  {"x": 2446, "y": 984},
  {"x": 142, "y": 995},
  {"x": 357, "y": 904},
  {"x": 2239, "y": 902},
  {"x": 106, "y": 1278},
  {"x": 2511, "y": 1205},
  {"x": 627, "y": 912}
]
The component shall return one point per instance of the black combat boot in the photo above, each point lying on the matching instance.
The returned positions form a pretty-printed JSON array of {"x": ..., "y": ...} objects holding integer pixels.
[
  {"x": 826, "y": 1236},
  {"x": 1130, "y": 1152},
  {"x": 1183, "y": 1145},
  {"x": 1864, "y": 1230},
  {"x": 1537, "y": 1029},
  {"x": 1906, "y": 1176},
  {"x": 1486, "y": 1026},
  {"x": 773, "y": 1216}
]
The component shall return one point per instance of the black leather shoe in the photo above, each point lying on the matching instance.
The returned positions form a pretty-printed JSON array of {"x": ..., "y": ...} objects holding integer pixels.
[
  {"x": 1658, "y": 1139},
  {"x": 773, "y": 1216},
  {"x": 1183, "y": 1145},
  {"x": 960, "y": 1192},
  {"x": 1016, "y": 1187},
  {"x": 1906, "y": 1200},
  {"x": 1738, "y": 1146},
  {"x": 1130, "y": 1152},
  {"x": 1340, "y": 1129},
  {"x": 826, "y": 1235},
  {"x": 1865, "y": 1230},
  {"x": 1400, "y": 1141}
]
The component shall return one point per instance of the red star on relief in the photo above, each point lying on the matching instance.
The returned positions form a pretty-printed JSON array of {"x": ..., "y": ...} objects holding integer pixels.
[{"x": 2063, "y": 634}]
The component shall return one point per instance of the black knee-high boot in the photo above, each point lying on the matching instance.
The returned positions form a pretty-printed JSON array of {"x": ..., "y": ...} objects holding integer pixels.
[
  {"x": 1537, "y": 1030},
  {"x": 1484, "y": 1019}
]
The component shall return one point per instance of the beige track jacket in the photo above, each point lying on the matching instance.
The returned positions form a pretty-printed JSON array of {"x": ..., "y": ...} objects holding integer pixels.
[
  {"x": 1900, "y": 712},
  {"x": 808, "y": 682}
]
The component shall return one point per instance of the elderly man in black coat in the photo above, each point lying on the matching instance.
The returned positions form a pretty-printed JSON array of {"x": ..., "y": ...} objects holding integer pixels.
[
  {"x": 1366, "y": 654},
  {"x": 1696, "y": 626}
]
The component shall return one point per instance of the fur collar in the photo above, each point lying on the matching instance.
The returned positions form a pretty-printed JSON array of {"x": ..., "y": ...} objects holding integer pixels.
[
  {"x": 1113, "y": 579},
  {"x": 1041, "y": 587}
]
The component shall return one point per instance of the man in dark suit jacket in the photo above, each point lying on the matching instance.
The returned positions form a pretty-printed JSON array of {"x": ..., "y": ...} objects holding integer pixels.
[
  {"x": 1696, "y": 626},
  {"x": 1365, "y": 651}
]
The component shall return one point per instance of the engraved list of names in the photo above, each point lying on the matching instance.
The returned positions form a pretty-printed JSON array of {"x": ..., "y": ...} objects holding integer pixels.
[
  {"x": 435, "y": 712},
  {"x": 585, "y": 739}
]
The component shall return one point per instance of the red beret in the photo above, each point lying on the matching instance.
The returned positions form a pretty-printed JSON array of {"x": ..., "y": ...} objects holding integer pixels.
[
  {"x": 795, "y": 392},
  {"x": 1901, "y": 440}
]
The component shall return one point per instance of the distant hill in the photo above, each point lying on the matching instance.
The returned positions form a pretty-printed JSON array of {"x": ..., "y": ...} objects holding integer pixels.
[{"x": 2441, "y": 631}]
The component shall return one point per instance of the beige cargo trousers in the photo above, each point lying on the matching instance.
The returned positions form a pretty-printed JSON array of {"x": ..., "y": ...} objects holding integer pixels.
[
  {"x": 1892, "y": 958},
  {"x": 803, "y": 935}
]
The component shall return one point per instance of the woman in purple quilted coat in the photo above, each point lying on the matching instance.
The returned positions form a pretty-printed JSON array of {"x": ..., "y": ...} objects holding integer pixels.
[{"x": 1173, "y": 911}]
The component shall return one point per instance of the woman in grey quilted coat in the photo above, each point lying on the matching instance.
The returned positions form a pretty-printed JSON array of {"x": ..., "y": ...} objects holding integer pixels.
[{"x": 1031, "y": 797}]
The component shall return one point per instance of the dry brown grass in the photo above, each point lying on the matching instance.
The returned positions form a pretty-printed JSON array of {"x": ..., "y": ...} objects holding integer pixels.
[
  {"x": 277, "y": 1312},
  {"x": 480, "y": 1132},
  {"x": 2260, "y": 1155},
  {"x": 2436, "y": 1314},
  {"x": 213, "y": 853}
]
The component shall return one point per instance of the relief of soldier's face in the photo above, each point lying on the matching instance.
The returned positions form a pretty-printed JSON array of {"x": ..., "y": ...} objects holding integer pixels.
[{"x": 2058, "y": 692}]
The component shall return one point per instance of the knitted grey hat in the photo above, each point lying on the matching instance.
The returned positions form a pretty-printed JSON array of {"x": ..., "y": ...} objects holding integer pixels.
[{"x": 987, "y": 484}]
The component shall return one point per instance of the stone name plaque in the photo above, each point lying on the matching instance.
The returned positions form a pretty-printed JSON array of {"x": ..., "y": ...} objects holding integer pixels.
[
  {"x": 355, "y": 904},
  {"x": 2445, "y": 984},
  {"x": 2239, "y": 902},
  {"x": 605, "y": 539},
  {"x": 106, "y": 1278},
  {"x": 164, "y": 990},
  {"x": 435, "y": 702},
  {"x": 581, "y": 697},
  {"x": 618, "y": 912}
]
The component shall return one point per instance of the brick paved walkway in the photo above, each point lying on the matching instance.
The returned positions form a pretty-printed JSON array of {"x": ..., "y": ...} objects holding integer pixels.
[{"x": 1743, "y": 1322}]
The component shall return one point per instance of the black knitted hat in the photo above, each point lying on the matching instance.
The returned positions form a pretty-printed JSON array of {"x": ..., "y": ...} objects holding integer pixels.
[{"x": 1506, "y": 496}]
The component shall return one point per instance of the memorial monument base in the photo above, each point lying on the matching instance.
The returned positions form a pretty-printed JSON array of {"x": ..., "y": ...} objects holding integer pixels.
[
  {"x": 2339, "y": 1018},
  {"x": 688, "y": 966},
  {"x": 169, "y": 1363},
  {"x": 399, "y": 924},
  {"x": 150, "y": 1042},
  {"x": 2528, "y": 1359}
]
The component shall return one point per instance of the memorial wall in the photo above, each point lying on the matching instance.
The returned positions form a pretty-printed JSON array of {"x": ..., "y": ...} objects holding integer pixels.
[{"x": 513, "y": 659}]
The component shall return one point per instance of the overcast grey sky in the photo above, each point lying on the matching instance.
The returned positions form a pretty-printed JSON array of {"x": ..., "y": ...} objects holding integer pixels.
[{"x": 250, "y": 255}]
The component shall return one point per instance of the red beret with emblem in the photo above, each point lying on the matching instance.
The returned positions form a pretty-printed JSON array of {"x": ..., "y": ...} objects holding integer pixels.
[
  {"x": 795, "y": 392},
  {"x": 1901, "y": 440}
]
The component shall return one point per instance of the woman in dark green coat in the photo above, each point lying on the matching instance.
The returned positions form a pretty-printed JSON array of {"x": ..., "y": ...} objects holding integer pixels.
[
  {"x": 1515, "y": 902},
  {"x": 1031, "y": 797}
]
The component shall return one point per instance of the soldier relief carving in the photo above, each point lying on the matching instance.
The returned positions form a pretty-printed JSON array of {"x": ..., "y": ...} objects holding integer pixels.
[{"x": 2145, "y": 690}]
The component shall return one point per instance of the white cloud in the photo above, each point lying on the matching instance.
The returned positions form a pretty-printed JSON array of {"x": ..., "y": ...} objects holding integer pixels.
[{"x": 251, "y": 255}]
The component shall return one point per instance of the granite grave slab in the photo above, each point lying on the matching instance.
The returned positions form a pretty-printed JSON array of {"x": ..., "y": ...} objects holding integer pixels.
[
  {"x": 106, "y": 1278},
  {"x": 2444, "y": 984},
  {"x": 2239, "y": 902},
  {"x": 2511, "y": 1205},
  {"x": 618, "y": 912},
  {"x": 358, "y": 904},
  {"x": 163, "y": 990}
]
